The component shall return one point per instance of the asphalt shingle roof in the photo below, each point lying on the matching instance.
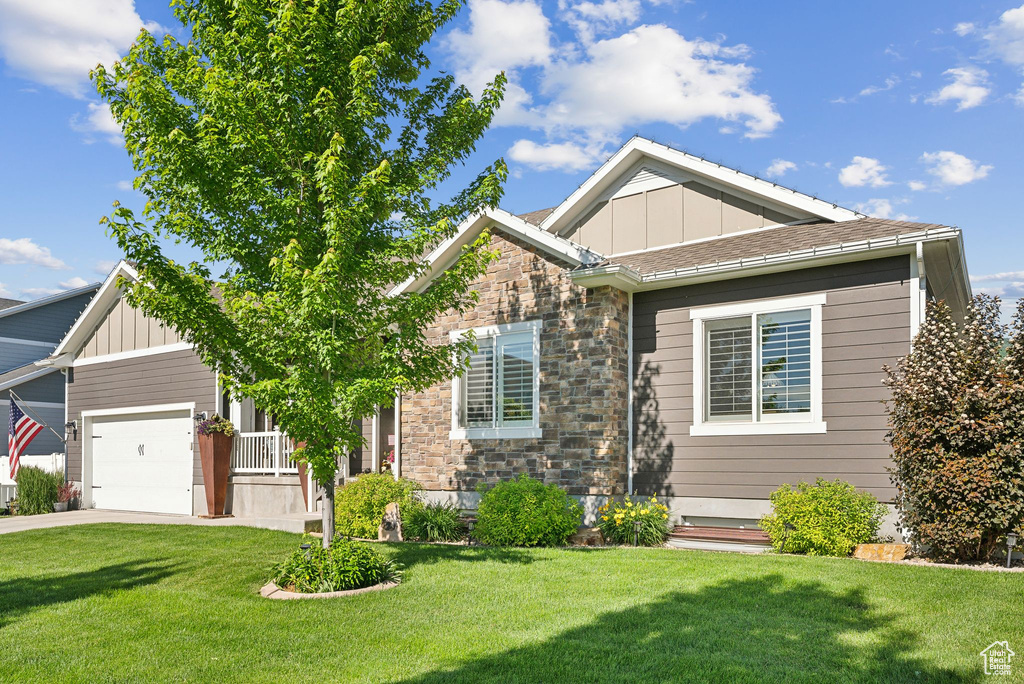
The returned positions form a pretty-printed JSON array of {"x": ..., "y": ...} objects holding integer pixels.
[
  {"x": 537, "y": 217},
  {"x": 770, "y": 241},
  {"x": 8, "y": 303}
]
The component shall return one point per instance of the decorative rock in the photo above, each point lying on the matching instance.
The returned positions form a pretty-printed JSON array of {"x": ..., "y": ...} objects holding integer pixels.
[
  {"x": 587, "y": 536},
  {"x": 390, "y": 529},
  {"x": 881, "y": 552}
]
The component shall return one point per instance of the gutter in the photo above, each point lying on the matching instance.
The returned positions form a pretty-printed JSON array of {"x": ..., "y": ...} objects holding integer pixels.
[{"x": 630, "y": 280}]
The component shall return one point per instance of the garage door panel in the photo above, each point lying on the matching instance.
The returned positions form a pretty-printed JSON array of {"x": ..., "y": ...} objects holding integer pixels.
[{"x": 143, "y": 462}]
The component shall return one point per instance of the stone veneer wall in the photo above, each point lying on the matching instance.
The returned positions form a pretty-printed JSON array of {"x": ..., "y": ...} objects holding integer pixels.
[{"x": 583, "y": 384}]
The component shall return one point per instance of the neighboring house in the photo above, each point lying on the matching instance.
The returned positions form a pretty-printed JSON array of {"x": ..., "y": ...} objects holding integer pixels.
[
  {"x": 674, "y": 327},
  {"x": 30, "y": 331}
]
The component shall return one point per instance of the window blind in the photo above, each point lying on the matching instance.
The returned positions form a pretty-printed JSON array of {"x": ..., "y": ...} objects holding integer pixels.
[
  {"x": 729, "y": 368},
  {"x": 785, "y": 359},
  {"x": 478, "y": 387}
]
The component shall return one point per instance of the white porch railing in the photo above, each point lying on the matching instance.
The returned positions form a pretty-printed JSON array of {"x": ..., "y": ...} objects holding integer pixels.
[
  {"x": 263, "y": 453},
  {"x": 8, "y": 489}
]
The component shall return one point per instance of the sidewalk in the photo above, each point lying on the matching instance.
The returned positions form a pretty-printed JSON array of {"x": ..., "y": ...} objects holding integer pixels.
[{"x": 298, "y": 523}]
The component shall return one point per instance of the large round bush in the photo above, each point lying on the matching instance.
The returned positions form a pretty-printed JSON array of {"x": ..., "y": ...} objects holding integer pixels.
[
  {"x": 359, "y": 505},
  {"x": 526, "y": 512},
  {"x": 344, "y": 565},
  {"x": 828, "y": 518}
]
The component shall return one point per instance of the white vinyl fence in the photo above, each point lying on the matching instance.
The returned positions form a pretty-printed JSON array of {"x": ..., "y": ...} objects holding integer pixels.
[{"x": 8, "y": 488}]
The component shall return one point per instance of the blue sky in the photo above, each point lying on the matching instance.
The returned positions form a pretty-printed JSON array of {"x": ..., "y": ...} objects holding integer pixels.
[{"x": 900, "y": 110}]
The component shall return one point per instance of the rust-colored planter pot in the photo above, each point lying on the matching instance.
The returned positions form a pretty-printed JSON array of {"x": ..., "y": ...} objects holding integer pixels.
[{"x": 215, "y": 453}]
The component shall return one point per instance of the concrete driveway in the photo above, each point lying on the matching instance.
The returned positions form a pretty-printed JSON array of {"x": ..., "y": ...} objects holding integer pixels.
[{"x": 286, "y": 523}]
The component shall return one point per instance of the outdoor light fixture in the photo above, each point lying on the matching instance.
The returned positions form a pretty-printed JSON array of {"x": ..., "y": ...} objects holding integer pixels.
[
  {"x": 1011, "y": 541},
  {"x": 636, "y": 533},
  {"x": 469, "y": 531},
  {"x": 199, "y": 416},
  {"x": 305, "y": 547}
]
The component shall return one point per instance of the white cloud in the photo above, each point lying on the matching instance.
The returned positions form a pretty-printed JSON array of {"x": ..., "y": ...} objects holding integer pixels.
[
  {"x": 125, "y": 185},
  {"x": 64, "y": 286},
  {"x": 964, "y": 28},
  {"x": 1005, "y": 37},
  {"x": 591, "y": 91},
  {"x": 1006, "y": 275},
  {"x": 890, "y": 83},
  {"x": 863, "y": 171},
  {"x": 588, "y": 18},
  {"x": 98, "y": 122},
  {"x": 917, "y": 185},
  {"x": 56, "y": 42},
  {"x": 4, "y": 292},
  {"x": 1018, "y": 97},
  {"x": 882, "y": 208},
  {"x": 968, "y": 88},
  {"x": 25, "y": 251},
  {"x": 73, "y": 283},
  {"x": 951, "y": 168},
  {"x": 555, "y": 156},
  {"x": 104, "y": 268},
  {"x": 779, "y": 167}
]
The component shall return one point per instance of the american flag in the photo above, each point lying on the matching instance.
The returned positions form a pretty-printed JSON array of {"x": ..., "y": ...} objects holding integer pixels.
[{"x": 20, "y": 432}]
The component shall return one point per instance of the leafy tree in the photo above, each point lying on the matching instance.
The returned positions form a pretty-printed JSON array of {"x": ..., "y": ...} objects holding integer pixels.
[
  {"x": 957, "y": 432},
  {"x": 299, "y": 146}
]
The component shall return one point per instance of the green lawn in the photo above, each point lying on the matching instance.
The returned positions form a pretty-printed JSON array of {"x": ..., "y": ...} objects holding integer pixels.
[{"x": 170, "y": 603}]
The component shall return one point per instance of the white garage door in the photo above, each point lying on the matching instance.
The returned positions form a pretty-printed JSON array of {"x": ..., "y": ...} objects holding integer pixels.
[{"x": 143, "y": 462}]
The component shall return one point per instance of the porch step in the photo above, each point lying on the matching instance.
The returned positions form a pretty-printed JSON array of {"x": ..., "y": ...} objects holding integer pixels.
[{"x": 727, "y": 535}]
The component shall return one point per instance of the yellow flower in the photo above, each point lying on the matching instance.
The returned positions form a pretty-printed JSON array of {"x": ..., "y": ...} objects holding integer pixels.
[
  {"x": 644, "y": 512},
  {"x": 604, "y": 517},
  {"x": 665, "y": 517},
  {"x": 629, "y": 504}
]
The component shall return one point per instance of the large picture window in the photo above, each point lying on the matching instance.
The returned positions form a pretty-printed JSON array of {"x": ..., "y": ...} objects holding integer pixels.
[
  {"x": 757, "y": 367},
  {"x": 497, "y": 396}
]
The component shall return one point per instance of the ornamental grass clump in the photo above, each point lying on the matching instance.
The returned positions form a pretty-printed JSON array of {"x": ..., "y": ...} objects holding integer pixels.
[
  {"x": 38, "y": 490},
  {"x": 956, "y": 426},
  {"x": 433, "y": 522},
  {"x": 828, "y": 518},
  {"x": 617, "y": 520},
  {"x": 342, "y": 566}
]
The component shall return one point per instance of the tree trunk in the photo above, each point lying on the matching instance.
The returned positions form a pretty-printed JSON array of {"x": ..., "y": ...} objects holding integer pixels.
[{"x": 328, "y": 512}]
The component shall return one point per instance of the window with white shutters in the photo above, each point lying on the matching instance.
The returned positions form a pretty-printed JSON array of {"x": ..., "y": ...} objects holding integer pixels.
[{"x": 496, "y": 396}]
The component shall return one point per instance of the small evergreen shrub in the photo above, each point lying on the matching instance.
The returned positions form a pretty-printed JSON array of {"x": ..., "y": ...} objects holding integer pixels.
[
  {"x": 37, "y": 490},
  {"x": 616, "y": 520},
  {"x": 359, "y": 505},
  {"x": 342, "y": 566},
  {"x": 526, "y": 512},
  {"x": 436, "y": 522},
  {"x": 828, "y": 518}
]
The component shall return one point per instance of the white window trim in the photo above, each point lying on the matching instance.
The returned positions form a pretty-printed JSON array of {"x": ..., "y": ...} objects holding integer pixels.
[
  {"x": 507, "y": 432},
  {"x": 811, "y": 423}
]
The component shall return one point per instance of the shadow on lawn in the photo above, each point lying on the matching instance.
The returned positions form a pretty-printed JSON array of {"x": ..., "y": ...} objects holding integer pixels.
[
  {"x": 410, "y": 554},
  {"x": 24, "y": 594},
  {"x": 761, "y": 629}
]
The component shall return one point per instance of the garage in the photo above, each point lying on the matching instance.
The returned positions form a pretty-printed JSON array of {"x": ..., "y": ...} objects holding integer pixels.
[{"x": 142, "y": 462}]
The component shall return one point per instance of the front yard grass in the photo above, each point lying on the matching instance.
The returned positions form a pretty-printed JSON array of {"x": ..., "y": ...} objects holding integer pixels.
[{"x": 177, "y": 603}]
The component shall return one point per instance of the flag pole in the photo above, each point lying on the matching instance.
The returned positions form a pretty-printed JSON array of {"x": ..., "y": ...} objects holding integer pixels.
[{"x": 34, "y": 416}]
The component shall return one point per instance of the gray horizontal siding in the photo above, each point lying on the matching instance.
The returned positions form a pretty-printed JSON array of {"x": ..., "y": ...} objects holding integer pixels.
[
  {"x": 14, "y": 355},
  {"x": 46, "y": 323},
  {"x": 171, "y": 378},
  {"x": 865, "y": 324},
  {"x": 49, "y": 388}
]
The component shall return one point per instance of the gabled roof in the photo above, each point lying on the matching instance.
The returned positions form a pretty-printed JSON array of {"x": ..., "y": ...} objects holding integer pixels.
[
  {"x": 638, "y": 149},
  {"x": 22, "y": 374},
  {"x": 8, "y": 303},
  {"x": 109, "y": 292},
  {"x": 448, "y": 251},
  {"x": 18, "y": 307}
]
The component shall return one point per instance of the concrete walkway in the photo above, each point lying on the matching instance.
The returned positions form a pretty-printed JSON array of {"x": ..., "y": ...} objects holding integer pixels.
[{"x": 299, "y": 522}]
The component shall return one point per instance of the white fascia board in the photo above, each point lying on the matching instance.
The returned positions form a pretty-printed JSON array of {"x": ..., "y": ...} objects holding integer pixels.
[
  {"x": 787, "y": 261},
  {"x": 14, "y": 382},
  {"x": 101, "y": 301},
  {"x": 60, "y": 296},
  {"x": 637, "y": 148},
  {"x": 448, "y": 251}
]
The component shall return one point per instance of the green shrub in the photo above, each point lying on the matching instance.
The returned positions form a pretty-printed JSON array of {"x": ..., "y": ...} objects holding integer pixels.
[
  {"x": 37, "y": 490},
  {"x": 828, "y": 518},
  {"x": 616, "y": 520},
  {"x": 433, "y": 522},
  {"x": 526, "y": 512},
  {"x": 359, "y": 505},
  {"x": 344, "y": 565}
]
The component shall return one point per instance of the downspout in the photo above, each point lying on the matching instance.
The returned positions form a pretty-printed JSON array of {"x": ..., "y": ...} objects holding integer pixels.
[
  {"x": 629, "y": 399},
  {"x": 396, "y": 467}
]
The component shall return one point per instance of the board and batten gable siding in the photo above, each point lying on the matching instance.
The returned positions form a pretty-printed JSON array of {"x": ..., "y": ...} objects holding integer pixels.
[
  {"x": 127, "y": 329},
  {"x": 865, "y": 324},
  {"x": 667, "y": 216},
  {"x": 167, "y": 378},
  {"x": 46, "y": 323}
]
